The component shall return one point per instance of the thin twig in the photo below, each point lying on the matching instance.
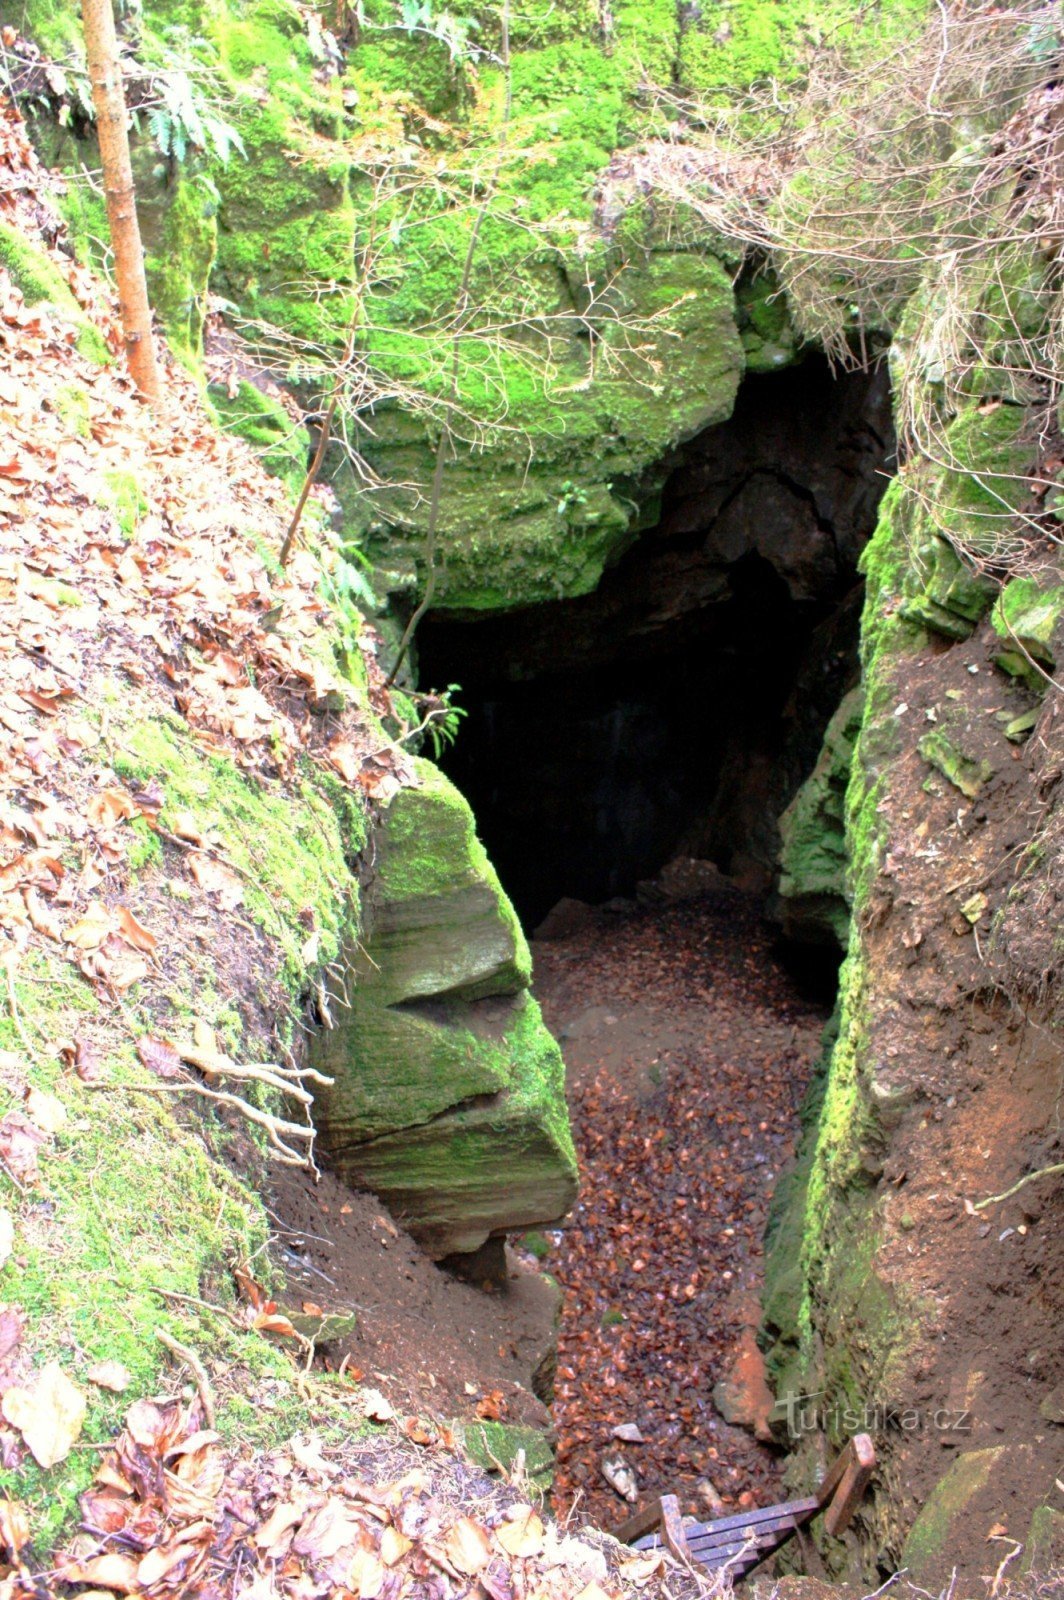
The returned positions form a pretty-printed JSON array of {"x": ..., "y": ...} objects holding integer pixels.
[
  {"x": 1007, "y": 1194},
  {"x": 198, "y": 1370}
]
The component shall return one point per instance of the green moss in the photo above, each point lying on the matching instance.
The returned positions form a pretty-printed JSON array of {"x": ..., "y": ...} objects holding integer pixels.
[
  {"x": 947, "y": 1505},
  {"x": 282, "y": 444},
  {"x": 1027, "y": 617},
  {"x": 964, "y": 772},
  {"x": 180, "y": 258},
  {"x": 72, "y": 405},
  {"x": 40, "y": 280},
  {"x": 120, "y": 492},
  {"x": 128, "y": 1200},
  {"x": 287, "y": 846},
  {"x": 497, "y": 1446}
]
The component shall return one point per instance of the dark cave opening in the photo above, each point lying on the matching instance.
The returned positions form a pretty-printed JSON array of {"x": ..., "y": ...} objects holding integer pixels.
[{"x": 677, "y": 709}]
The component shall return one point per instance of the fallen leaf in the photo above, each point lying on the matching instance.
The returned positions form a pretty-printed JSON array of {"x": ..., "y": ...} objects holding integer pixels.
[
  {"x": 7, "y": 1235},
  {"x": 20, "y": 1140},
  {"x": 110, "y": 1375},
  {"x": 47, "y": 1112},
  {"x": 41, "y": 918},
  {"x": 418, "y": 1432},
  {"x": 376, "y": 1408},
  {"x": 394, "y": 1546},
  {"x": 492, "y": 1406},
  {"x": 12, "y": 1324},
  {"x": 522, "y": 1536},
  {"x": 274, "y": 1322},
  {"x": 159, "y": 1056},
  {"x": 641, "y": 1569},
  {"x": 112, "y": 1571},
  {"x": 214, "y": 878},
  {"x": 272, "y": 1536},
  {"x": 134, "y": 932},
  {"x": 309, "y": 1455},
  {"x": 593, "y": 1591},
  {"x": 366, "y": 1574},
  {"x": 468, "y": 1546},
  {"x": 91, "y": 928},
  {"x": 48, "y": 1412},
  {"x": 14, "y": 1528},
  {"x": 104, "y": 810}
]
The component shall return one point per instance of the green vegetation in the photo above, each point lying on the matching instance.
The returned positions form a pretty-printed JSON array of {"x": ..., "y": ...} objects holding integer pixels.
[{"x": 39, "y": 279}]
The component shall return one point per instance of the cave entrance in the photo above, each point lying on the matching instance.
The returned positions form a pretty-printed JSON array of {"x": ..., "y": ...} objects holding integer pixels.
[{"x": 676, "y": 710}]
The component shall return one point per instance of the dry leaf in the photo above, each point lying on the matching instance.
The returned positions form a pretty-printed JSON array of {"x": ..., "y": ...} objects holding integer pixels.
[
  {"x": 12, "y": 1323},
  {"x": 134, "y": 932},
  {"x": 593, "y": 1591},
  {"x": 14, "y": 1528},
  {"x": 111, "y": 1571},
  {"x": 366, "y": 1575},
  {"x": 111, "y": 806},
  {"x": 159, "y": 1056},
  {"x": 273, "y": 1535},
  {"x": 48, "y": 1412},
  {"x": 47, "y": 1112},
  {"x": 20, "y": 1140},
  {"x": 468, "y": 1546},
  {"x": 417, "y": 1431},
  {"x": 41, "y": 918},
  {"x": 394, "y": 1546},
  {"x": 376, "y": 1407},
  {"x": 91, "y": 928},
  {"x": 641, "y": 1569},
  {"x": 523, "y": 1536},
  {"x": 110, "y": 1375},
  {"x": 274, "y": 1322},
  {"x": 214, "y": 878},
  {"x": 309, "y": 1455}
]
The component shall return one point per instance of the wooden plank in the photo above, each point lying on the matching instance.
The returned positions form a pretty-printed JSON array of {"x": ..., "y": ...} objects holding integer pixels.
[
  {"x": 642, "y": 1522},
  {"x": 760, "y": 1532},
  {"x": 804, "y": 1508},
  {"x": 763, "y": 1533},
  {"x": 673, "y": 1535},
  {"x": 853, "y": 1481}
]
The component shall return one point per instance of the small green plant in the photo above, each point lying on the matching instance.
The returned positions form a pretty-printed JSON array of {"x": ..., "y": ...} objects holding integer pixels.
[
  {"x": 183, "y": 120},
  {"x": 572, "y": 497},
  {"x": 454, "y": 32},
  {"x": 442, "y": 720},
  {"x": 349, "y": 594}
]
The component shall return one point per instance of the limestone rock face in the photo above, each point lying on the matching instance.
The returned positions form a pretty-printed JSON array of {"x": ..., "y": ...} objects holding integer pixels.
[{"x": 449, "y": 1092}]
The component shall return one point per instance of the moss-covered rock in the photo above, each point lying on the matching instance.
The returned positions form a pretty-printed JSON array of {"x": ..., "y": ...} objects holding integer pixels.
[
  {"x": 1027, "y": 617},
  {"x": 947, "y": 1511},
  {"x": 448, "y": 1098},
  {"x": 503, "y": 1446},
  {"x": 944, "y": 594},
  {"x": 283, "y": 445},
  {"x": 813, "y": 888},
  {"x": 39, "y": 279}
]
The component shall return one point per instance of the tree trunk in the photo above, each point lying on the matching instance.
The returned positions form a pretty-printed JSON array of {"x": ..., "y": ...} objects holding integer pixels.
[{"x": 105, "y": 74}]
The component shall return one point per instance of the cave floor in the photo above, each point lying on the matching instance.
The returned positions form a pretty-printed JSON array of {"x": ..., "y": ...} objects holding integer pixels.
[{"x": 688, "y": 1049}]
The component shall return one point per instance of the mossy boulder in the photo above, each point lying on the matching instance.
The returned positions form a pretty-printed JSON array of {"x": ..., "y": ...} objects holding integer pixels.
[
  {"x": 448, "y": 1098},
  {"x": 813, "y": 891},
  {"x": 1027, "y": 617},
  {"x": 947, "y": 1512},
  {"x": 944, "y": 594}
]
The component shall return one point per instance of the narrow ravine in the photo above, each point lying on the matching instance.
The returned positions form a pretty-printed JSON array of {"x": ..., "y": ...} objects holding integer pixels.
[{"x": 688, "y": 1047}]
